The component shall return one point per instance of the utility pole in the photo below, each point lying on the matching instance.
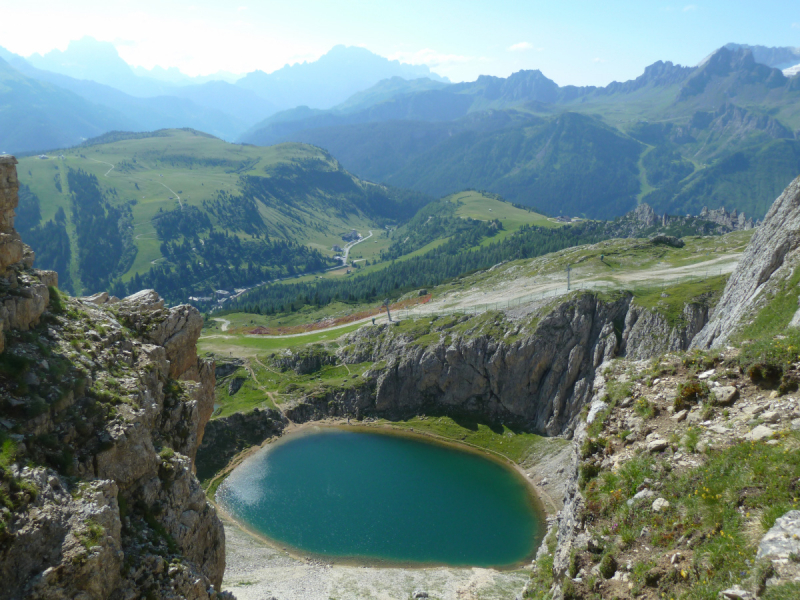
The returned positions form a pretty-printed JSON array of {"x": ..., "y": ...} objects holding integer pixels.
[
  {"x": 388, "y": 314},
  {"x": 569, "y": 269}
]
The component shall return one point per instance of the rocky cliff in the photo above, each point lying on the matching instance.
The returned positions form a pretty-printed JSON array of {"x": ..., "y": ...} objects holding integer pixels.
[
  {"x": 103, "y": 403},
  {"x": 769, "y": 260},
  {"x": 536, "y": 371}
]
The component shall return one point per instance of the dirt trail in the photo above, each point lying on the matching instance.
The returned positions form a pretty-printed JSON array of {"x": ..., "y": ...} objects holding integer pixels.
[
  {"x": 104, "y": 163},
  {"x": 272, "y": 395},
  {"x": 225, "y": 323}
]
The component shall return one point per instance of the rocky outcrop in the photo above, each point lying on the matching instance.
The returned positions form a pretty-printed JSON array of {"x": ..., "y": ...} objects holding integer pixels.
[
  {"x": 735, "y": 220},
  {"x": 643, "y": 221},
  {"x": 112, "y": 420},
  {"x": 770, "y": 256},
  {"x": 781, "y": 547},
  {"x": 648, "y": 333},
  {"x": 24, "y": 293},
  {"x": 537, "y": 374}
]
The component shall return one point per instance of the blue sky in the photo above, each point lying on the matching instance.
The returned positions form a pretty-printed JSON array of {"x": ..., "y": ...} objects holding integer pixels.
[{"x": 581, "y": 43}]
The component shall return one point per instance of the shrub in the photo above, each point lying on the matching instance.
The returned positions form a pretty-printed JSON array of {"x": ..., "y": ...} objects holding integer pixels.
[
  {"x": 644, "y": 408},
  {"x": 587, "y": 473},
  {"x": 765, "y": 373},
  {"x": 690, "y": 393},
  {"x": 608, "y": 566},
  {"x": 691, "y": 439},
  {"x": 591, "y": 446},
  {"x": 568, "y": 590}
]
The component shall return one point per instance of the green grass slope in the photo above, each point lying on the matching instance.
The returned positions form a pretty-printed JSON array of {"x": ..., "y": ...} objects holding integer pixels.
[{"x": 178, "y": 187}]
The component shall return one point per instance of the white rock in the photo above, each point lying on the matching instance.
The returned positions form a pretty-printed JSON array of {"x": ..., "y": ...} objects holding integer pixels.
[
  {"x": 755, "y": 410},
  {"x": 657, "y": 445},
  {"x": 643, "y": 495},
  {"x": 596, "y": 407},
  {"x": 706, "y": 374},
  {"x": 782, "y": 539},
  {"x": 736, "y": 593},
  {"x": 725, "y": 395},
  {"x": 761, "y": 432},
  {"x": 659, "y": 505},
  {"x": 771, "y": 416}
]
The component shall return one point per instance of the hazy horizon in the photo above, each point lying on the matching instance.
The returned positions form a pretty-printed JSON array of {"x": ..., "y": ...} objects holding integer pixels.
[{"x": 580, "y": 44}]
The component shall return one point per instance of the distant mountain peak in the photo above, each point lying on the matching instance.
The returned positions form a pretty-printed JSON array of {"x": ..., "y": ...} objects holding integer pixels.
[
  {"x": 734, "y": 70},
  {"x": 777, "y": 57},
  {"x": 86, "y": 58},
  {"x": 330, "y": 80}
]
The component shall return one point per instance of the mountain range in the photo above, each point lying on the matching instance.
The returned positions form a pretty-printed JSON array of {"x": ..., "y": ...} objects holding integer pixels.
[
  {"x": 680, "y": 138},
  {"x": 677, "y": 137},
  {"x": 105, "y": 93}
]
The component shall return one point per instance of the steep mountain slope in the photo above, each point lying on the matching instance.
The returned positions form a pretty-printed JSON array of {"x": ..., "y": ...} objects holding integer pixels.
[
  {"x": 763, "y": 289},
  {"x": 780, "y": 57},
  {"x": 571, "y": 164},
  {"x": 188, "y": 213}
]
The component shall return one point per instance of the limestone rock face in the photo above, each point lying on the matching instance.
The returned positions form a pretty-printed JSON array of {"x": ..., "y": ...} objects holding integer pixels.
[
  {"x": 23, "y": 292},
  {"x": 224, "y": 438},
  {"x": 780, "y": 545},
  {"x": 11, "y": 246},
  {"x": 539, "y": 378},
  {"x": 116, "y": 420},
  {"x": 772, "y": 252}
]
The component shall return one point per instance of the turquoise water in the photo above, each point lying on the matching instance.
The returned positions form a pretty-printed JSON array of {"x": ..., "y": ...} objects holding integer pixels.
[{"x": 385, "y": 498}]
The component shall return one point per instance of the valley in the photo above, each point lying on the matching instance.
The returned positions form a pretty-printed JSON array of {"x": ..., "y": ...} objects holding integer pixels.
[{"x": 283, "y": 318}]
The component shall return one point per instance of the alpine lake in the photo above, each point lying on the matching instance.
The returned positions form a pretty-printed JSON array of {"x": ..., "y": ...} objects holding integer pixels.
[{"x": 361, "y": 497}]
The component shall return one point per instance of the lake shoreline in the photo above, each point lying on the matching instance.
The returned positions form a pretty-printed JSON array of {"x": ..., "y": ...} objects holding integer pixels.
[
  {"x": 282, "y": 558},
  {"x": 310, "y": 428}
]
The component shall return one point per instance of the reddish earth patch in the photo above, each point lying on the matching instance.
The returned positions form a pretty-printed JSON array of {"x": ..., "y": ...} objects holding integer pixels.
[{"x": 333, "y": 322}]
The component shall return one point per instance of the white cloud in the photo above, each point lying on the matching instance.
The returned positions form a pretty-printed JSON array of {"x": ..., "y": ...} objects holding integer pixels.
[
  {"x": 689, "y": 7},
  {"x": 795, "y": 25},
  {"x": 521, "y": 47},
  {"x": 430, "y": 57},
  {"x": 598, "y": 60},
  {"x": 241, "y": 8}
]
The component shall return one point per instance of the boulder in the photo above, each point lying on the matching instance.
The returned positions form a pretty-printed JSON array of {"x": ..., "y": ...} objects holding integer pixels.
[
  {"x": 724, "y": 395},
  {"x": 736, "y": 593},
  {"x": 659, "y": 504},
  {"x": 762, "y": 432},
  {"x": 771, "y": 416},
  {"x": 642, "y": 495},
  {"x": 679, "y": 416},
  {"x": 780, "y": 545}
]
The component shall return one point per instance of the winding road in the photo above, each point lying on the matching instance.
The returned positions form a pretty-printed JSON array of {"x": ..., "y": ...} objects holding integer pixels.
[{"x": 347, "y": 251}]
